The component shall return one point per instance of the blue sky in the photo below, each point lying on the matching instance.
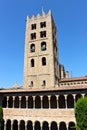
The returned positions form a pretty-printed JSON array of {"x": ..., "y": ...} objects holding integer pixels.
[{"x": 71, "y": 20}]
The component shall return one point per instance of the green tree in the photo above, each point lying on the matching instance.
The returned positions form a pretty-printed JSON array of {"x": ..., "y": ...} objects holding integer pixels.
[
  {"x": 81, "y": 114},
  {"x": 1, "y": 117}
]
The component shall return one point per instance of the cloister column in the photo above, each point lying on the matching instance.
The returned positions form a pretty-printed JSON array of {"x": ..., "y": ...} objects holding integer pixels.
[
  {"x": 33, "y": 102},
  {"x": 49, "y": 102},
  {"x": 7, "y": 101},
  {"x": 74, "y": 95},
  {"x": 65, "y": 100},
  {"x": 57, "y": 126},
  {"x": 26, "y": 102},
  {"x": 41, "y": 98},
  {"x": 57, "y": 101},
  {"x": 18, "y": 125},
  {"x": 26, "y": 122},
  {"x": 19, "y": 101},
  {"x": 4, "y": 125},
  {"x": 83, "y": 95},
  {"x": 13, "y": 100},
  {"x": 11, "y": 125},
  {"x": 49, "y": 124}
]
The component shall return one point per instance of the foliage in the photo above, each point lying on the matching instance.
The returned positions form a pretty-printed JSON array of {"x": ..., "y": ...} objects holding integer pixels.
[
  {"x": 81, "y": 114},
  {"x": 1, "y": 117}
]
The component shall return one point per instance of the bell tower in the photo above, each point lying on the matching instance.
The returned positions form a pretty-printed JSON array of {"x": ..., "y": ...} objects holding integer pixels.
[{"x": 41, "y": 65}]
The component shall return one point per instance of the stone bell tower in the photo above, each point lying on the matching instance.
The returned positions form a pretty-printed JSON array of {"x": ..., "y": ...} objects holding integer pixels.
[{"x": 41, "y": 65}]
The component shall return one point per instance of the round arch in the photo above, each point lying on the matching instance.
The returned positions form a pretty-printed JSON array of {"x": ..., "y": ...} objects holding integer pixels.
[
  {"x": 8, "y": 124},
  {"x": 30, "y": 102},
  {"x": 37, "y": 126},
  {"x": 45, "y": 102},
  {"x": 37, "y": 102},
  {"x": 23, "y": 102},
  {"x": 16, "y": 102},
  {"x": 4, "y": 102},
  {"x": 71, "y": 126},
  {"x": 45, "y": 125},
  {"x": 53, "y": 102},
  {"x": 10, "y": 102},
  {"x": 54, "y": 126},
  {"x": 29, "y": 125},
  {"x": 15, "y": 125},
  {"x": 77, "y": 97},
  {"x": 70, "y": 101},
  {"x": 62, "y": 126},
  {"x": 22, "y": 125},
  {"x": 61, "y": 101}
]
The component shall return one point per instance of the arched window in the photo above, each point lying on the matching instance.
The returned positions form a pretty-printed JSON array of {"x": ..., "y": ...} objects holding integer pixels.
[
  {"x": 32, "y": 62},
  {"x": 32, "y": 48},
  {"x": 44, "y": 83},
  {"x": 43, "y": 61},
  {"x": 43, "y": 46}
]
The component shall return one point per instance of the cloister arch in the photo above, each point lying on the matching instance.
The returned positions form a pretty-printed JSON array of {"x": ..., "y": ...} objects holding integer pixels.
[
  {"x": 54, "y": 126},
  {"x": 37, "y": 126},
  {"x": 23, "y": 102},
  {"x": 4, "y": 102},
  {"x": 22, "y": 125},
  {"x": 77, "y": 97},
  {"x": 45, "y": 102},
  {"x": 16, "y": 102},
  {"x": 37, "y": 102},
  {"x": 15, "y": 125},
  {"x": 29, "y": 125},
  {"x": 8, "y": 125},
  {"x": 10, "y": 102},
  {"x": 62, "y": 126},
  {"x": 45, "y": 126},
  {"x": 71, "y": 126},
  {"x": 61, "y": 101},
  {"x": 30, "y": 102},
  {"x": 70, "y": 101},
  {"x": 53, "y": 102}
]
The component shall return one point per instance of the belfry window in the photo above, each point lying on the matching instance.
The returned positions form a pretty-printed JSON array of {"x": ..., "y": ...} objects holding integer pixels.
[
  {"x": 32, "y": 62},
  {"x": 33, "y": 36},
  {"x": 31, "y": 83},
  {"x": 43, "y": 34},
  {"x": 43, "y": 61},
  {"x": 32, "y": 48},
  {"x": 33, "y": 26},
  {"x": 43, "y": 24},
  {"x": 44, "y": 83},
  {"x": 43, "y": 46}
]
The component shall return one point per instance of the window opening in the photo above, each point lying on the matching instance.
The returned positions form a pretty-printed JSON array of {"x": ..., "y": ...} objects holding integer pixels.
[
  {"x": 32, "y": 48},
  {"x": 33, "y": 26},
  {"x": 43, "y": 34},
  {"x": 32, "y": 62},
  {"x": 43, "y": 61},
  {"x": 33, "y": 36},
  {"x": 43, "y": 46},
  {"x": 43, "y": 24}
]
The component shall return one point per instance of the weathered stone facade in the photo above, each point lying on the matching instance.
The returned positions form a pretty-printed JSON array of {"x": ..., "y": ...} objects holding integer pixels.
[{"x": 46, "y": 100}]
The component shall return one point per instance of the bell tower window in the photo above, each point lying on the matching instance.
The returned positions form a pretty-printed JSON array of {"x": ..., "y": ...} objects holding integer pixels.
[
  {"x": 43, "y": 46},
  {"x": 33, "y": 36},
  {"x": 32, "y": 48},
  {"x": 32, "y": 62},
  {"x": 43, "y": 34},
  {"x": 43, "y": 61},
  {"x": 43, "y": 24}
]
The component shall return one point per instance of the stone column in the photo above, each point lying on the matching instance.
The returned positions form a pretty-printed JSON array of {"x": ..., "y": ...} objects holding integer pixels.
[
  {"x": 11, "y": 125},
  {"x": 49, "y": 101},
  {"x": 41, "y": 102},
  {"x": 26, "y": 102},
  {"x": 57, "y": 101},
  {"x": 25, "y": 125},
  {"x": 13, "y": 101},
  {"x": 18, "y": 125},
  {"x": 5, "y": 125},
  {"x": 7, "y": 101},
  {"x": 33, "y": 102},
  {"x": 74, "y": 95},
  {"x": 19, "y": 101},
  {"x": 65, "y": 100}
]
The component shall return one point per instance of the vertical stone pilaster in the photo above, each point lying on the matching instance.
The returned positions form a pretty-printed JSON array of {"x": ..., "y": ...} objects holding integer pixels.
[
  {"x": 65, "y": 100},
  {"x": 19, "y": 101},
  {"x": 34, "y": 102},
  {"x": 26, "y": 102},
  {"x": 7, "y": 101}
]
